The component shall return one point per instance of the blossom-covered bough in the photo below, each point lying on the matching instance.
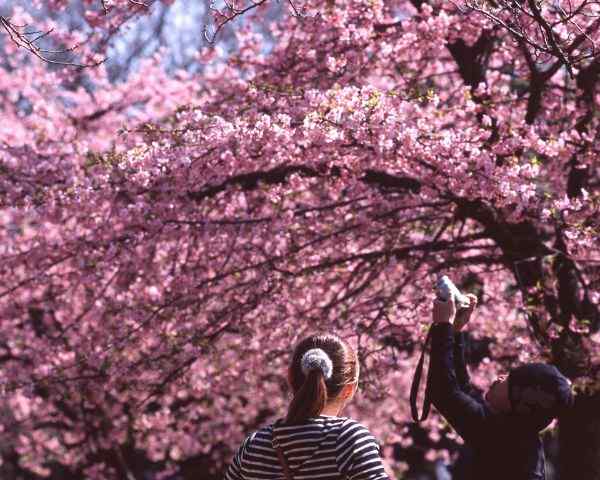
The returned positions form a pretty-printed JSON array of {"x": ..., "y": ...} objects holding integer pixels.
[{"x": 165, "y": 240}]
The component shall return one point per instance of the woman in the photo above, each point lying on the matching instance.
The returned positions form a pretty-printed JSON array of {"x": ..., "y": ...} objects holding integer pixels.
[
  {"x": 313, "y": 441},
  {"x": 501, "y": 427}
]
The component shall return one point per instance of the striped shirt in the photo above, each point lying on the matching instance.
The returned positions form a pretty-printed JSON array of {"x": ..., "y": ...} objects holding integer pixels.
[{"x": 322, "y": 448}]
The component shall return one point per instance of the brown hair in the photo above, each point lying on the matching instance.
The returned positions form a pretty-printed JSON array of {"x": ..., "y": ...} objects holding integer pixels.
[{"x": 311, "y": 391}]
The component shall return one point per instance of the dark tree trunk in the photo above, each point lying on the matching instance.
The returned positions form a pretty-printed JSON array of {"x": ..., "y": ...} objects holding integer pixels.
[{"x": 579, "y": 441}]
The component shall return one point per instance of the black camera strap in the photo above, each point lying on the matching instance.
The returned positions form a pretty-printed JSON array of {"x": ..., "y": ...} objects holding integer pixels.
[{"x": 416, "y": 383}]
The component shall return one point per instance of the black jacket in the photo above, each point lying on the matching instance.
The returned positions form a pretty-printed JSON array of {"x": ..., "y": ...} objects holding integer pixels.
[{"x": 505, "y": 447}]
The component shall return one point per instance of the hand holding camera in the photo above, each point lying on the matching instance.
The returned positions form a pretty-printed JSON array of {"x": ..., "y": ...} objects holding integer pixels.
[
  {"x": 463, "y": 315},
  {"x": 451, "y": 305}
]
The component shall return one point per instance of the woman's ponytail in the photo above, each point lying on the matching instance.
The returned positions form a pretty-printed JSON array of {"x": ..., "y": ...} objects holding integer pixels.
[
  {"x": 321, "y": 366},
  {"x": 310, "y": 400}
]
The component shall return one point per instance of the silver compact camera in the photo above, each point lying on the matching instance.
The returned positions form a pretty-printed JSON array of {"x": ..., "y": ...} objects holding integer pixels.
[{"x": 445, "y": 288}]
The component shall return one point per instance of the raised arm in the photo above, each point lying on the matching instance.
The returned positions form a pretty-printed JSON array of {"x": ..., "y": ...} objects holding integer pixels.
[
  {"x": 460, "y": 364},
  {"x": 466, "y": 414}
]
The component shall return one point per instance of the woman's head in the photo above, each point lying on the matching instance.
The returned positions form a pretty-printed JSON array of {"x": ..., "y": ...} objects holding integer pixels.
[
  {"x": 534, "y": 390},
  {"x": 497, "y": 395},
  {"x": 324, "y": 369}
]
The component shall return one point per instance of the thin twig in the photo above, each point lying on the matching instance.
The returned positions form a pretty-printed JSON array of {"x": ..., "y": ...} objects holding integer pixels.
[{"x": 20, "y": 38}]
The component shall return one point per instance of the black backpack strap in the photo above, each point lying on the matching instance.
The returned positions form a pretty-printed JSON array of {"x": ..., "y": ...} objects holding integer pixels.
[
  {"x": 416, "y": 383},
  {"x": 284, "y": 465},
  {"x": 286, "y": 469}
]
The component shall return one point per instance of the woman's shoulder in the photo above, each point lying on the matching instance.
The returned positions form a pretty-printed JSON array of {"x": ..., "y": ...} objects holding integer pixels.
[
  {"x": 264, "y": 433},
  {"x": 352, "y": 424},
  {"x": 353, "y": 431},
  {"x": 256, "y": 440}
]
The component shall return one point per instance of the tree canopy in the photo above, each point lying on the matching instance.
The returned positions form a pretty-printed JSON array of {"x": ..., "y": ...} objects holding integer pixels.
[{"x": 167, "y": 238}]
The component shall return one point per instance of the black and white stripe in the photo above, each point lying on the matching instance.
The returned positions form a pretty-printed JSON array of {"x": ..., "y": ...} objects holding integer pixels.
[{"x": 322, "y": 448}]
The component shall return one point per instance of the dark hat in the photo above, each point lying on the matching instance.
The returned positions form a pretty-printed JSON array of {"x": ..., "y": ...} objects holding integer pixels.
[{"x": 539, "y": 392}]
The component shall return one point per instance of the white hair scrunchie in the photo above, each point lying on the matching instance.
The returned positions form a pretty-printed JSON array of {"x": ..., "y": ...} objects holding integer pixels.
[{"x": 314, "y": 359}]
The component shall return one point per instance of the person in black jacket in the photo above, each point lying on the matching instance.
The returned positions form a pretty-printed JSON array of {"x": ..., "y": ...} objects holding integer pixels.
[{"x": 501, "y": 427}]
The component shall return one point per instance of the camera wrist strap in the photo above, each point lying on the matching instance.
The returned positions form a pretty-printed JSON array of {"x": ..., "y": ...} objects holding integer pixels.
[{"x": 416, "y": 382}]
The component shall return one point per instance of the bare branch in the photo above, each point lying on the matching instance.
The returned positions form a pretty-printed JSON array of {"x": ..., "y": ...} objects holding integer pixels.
[
  {"x": 233, "y": 14},
  {"x": 539, "y": 30},
  {"x": 28, "y": 40}
]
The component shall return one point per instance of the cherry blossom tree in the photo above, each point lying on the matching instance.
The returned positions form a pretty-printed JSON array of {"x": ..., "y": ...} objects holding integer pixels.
[{"x": 167, "y": 239}]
